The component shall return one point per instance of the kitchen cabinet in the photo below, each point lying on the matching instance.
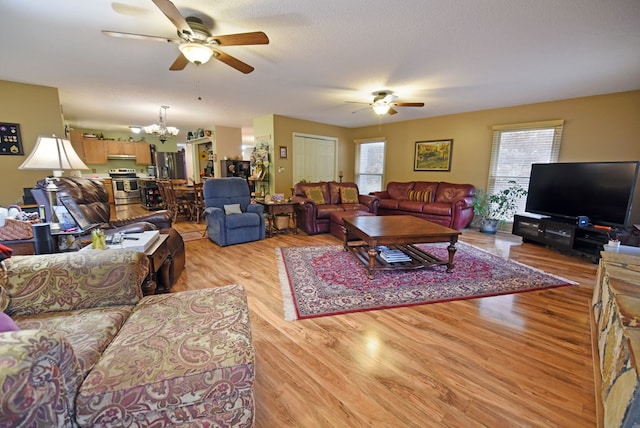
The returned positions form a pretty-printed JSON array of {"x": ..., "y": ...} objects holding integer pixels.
[
  {"x": 143, "y": 153},
  {"x": 120, "y": 148},
  {"x": 95, "y": 151}
]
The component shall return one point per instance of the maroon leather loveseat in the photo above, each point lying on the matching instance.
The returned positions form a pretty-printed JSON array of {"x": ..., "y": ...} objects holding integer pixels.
[
  {"x": 447, "y": 204},
  {"x": 315, "y": 217}
]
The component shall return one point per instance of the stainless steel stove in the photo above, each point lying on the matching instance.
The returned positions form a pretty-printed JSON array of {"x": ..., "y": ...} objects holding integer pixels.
[{"x": 125, "y": 186}]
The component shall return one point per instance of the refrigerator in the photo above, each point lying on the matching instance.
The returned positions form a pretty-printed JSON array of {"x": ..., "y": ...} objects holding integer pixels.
[{"x": 170, "y": 165}]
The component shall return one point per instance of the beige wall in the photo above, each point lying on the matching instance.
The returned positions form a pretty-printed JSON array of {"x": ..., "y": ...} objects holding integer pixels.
[
  {"x": 599, "y": 128},
  {"x": 228, "y": 142},
  {"x": 37, "y": 110},
  {"x": 284, "y": 127}
]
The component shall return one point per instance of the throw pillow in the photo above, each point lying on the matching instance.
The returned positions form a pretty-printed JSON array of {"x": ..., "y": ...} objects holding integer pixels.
[
  {"x": 349, "y": 195},
  {"x": 422, "y": 196},
  {"x": 7, "y": 324},
  {"x": 315, "y": 194},
  {"x": 232, "y": 209}
]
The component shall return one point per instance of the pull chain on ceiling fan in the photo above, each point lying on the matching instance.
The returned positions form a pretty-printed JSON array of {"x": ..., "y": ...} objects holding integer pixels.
[{"x": 195, "y": 42}]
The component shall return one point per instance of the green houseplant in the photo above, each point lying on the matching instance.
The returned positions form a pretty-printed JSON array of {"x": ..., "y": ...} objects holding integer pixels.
[{"x": 495, "y": 209}]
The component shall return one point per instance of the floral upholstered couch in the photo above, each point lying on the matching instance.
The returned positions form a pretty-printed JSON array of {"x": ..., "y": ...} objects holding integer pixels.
[{"x": 89, "y": 350}]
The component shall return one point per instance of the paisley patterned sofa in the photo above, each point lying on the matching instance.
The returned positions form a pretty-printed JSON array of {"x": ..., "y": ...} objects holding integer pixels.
[{"x": 91, "y": 351}]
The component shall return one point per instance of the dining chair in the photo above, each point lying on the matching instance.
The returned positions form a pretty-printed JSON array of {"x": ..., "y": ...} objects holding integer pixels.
[
  {"x": 197, "y": 205},
  {"x": 176, "y": 207}
]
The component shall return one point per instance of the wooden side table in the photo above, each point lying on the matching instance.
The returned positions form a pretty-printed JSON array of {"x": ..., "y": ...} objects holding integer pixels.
[{"x": 273, "y": 209}]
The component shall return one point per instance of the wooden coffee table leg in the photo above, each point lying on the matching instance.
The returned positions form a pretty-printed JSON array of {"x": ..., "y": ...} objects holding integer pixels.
[
  {"x": 452, "y": 251},
  {"x": 372, "y": 260}
]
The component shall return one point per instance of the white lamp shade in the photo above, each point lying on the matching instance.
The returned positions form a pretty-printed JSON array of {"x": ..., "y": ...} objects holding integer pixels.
[
  {"x": 195, "y": 52},
  {"x": 53, "y": 153}
]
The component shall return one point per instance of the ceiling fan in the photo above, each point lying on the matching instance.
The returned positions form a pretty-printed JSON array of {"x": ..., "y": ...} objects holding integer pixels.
[
  {"x": 384, "y": 102},
  {"x": 195, "y": 42}
]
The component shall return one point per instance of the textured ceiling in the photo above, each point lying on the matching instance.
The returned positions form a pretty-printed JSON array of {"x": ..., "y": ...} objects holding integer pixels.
[{"x": 453, "y": 55}]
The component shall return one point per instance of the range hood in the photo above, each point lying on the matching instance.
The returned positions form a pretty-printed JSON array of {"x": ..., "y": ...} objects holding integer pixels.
[{"x": 121, "y": 157}]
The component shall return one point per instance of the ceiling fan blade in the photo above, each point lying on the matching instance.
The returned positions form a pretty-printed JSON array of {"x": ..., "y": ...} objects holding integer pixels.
[
  {"x": 392, "y": 111},
  {"x": 360, "y": 109},
  {"x": 139, "y": 36},
  {"x": 233, "y": 62},
  {"x": 409, "y": 104},
  {"x": 255, "y": 38},
  {"x": 180, "y": 63},
  {"x": 171, "y": 11}
]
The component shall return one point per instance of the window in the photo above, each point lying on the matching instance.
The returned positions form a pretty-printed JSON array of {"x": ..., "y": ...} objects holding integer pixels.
[
  {"x": 516, "y": 147},
  {"x": 369, "y": 165}
]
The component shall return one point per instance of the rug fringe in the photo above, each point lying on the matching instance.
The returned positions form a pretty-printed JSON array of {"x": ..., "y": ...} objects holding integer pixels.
[{"x": 287, "y": 296}]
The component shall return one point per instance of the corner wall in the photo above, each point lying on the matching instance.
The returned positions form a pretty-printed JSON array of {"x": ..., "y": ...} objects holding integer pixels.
[{"x": 37, "y": 110}]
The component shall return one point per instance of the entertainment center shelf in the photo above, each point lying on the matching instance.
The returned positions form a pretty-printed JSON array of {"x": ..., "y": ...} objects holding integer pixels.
[{"x": 585, "y": 241}]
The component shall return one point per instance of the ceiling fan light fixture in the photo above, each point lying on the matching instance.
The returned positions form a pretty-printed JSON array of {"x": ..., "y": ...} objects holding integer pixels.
[
  {"x": 195, "y": 52},
  {"x": 381, "y": 109}
]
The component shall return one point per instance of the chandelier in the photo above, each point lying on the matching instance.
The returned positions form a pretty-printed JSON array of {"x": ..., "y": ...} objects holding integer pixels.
[{"x": 161, "y": 129}]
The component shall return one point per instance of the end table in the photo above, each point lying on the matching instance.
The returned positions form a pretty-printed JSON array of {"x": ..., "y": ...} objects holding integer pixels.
[{"x": 273, "y": 209}]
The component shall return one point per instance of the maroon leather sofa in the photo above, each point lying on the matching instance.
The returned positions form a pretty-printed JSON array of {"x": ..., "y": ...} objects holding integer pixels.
[
  {"x": 447, "y": 204},
  {"x": 315, "y": 218},
  {"x": 92, "y": 198}
]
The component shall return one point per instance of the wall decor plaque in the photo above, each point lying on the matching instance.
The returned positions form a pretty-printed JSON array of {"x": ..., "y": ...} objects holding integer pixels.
[{"x": 10, "y": 140}]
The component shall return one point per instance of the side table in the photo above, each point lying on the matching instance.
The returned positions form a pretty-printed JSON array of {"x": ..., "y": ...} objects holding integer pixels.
[{"x": 273, "y": 209}]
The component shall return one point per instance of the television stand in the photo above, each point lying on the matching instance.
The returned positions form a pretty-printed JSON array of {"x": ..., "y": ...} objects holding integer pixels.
[{"x": 563, "y": 236}]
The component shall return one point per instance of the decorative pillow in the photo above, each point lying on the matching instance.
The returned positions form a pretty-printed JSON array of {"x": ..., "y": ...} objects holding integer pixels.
[
  {"x": 232, "y": 209},
  {"x": 349, "y": 195},
  {"x": 315, "y": 194},
  {"x": 6, "y": 323},
  {"x": 422, "y": 196},
  {"x": 4, "y": 297}
]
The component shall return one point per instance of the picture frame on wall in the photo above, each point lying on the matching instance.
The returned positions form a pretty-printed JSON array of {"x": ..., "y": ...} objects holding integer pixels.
[
  {"x": 433, "y": 155},
  {"x": 283, "y": 152},
  {"x": 10, "y": 139}
]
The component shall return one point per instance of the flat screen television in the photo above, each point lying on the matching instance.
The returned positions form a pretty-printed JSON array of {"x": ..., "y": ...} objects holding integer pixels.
[{"x": 606, "y": 192}]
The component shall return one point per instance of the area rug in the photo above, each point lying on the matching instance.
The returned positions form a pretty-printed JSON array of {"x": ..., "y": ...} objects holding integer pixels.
[
  {"x": 321, "y": 281},
  {"x": 193, "y": 235}
]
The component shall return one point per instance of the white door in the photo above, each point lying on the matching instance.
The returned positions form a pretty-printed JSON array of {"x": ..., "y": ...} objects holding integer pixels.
[{"x": 314, "y": 158}]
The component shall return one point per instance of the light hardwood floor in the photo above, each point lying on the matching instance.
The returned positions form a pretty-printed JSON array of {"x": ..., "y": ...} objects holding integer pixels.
[{"x": 521, "y": 360}]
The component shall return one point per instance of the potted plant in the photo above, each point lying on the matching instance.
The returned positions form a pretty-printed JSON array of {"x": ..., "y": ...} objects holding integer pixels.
[{"x": 495, "y": 209}]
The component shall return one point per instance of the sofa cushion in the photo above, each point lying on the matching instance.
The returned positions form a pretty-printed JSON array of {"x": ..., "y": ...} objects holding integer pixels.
[
  {"x": 89, "y": 331},
  {"x": 438, "y": 208},
  {"x": 449, "y": 192},
  {"x": 399, "y": 190},
  {"x": 179, "y": 357},
  {"x": 349, "y": 195},
  {"x": 315, "y": 194},
  {"x": 242, "y": 220},
  {"x": 411, "y": 206},
  {"x": 426, "y": 186},
  {"x": 325, "y": 210}
]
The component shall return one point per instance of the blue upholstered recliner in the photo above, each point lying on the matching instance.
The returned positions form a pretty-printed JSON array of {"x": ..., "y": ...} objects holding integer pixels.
[{"x": 228, "y": 229}]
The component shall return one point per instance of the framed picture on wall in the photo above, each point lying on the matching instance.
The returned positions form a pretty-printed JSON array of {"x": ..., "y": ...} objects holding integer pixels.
[
  {"x": 10, "y": 139},
  {"x": 283, "y": 152},
  {"x": 434, "y": 155}
]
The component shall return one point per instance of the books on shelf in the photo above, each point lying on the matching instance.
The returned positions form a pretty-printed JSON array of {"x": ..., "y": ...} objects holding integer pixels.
[{"x": 392, "y": 256}]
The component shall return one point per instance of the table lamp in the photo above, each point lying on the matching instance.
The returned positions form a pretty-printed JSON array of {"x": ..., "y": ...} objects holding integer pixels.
[{"x": 55, "y": 154}]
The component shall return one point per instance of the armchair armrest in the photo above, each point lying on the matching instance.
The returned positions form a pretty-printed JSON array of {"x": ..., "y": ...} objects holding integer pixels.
[
  {"x": 42, "y": 377},
  {"x": 382, "y": 194},
  {"x": 372, "y": 202},
  {"x": 71, "y": 281},
  {"x": 161, "y": 219},
  {"x": 255, "y": 208}
]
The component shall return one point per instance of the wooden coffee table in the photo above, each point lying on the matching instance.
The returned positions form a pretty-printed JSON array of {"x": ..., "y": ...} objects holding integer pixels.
[{"x": 397, "y": 232}]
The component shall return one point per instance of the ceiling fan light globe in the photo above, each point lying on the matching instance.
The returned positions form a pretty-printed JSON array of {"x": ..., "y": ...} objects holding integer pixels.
[
  {"x": 195, "y": 52},
  {"x": 381, "y": 108}
]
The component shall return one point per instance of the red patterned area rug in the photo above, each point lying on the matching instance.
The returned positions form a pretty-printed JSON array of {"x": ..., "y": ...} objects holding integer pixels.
[{"x": 321, "y": 281}]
